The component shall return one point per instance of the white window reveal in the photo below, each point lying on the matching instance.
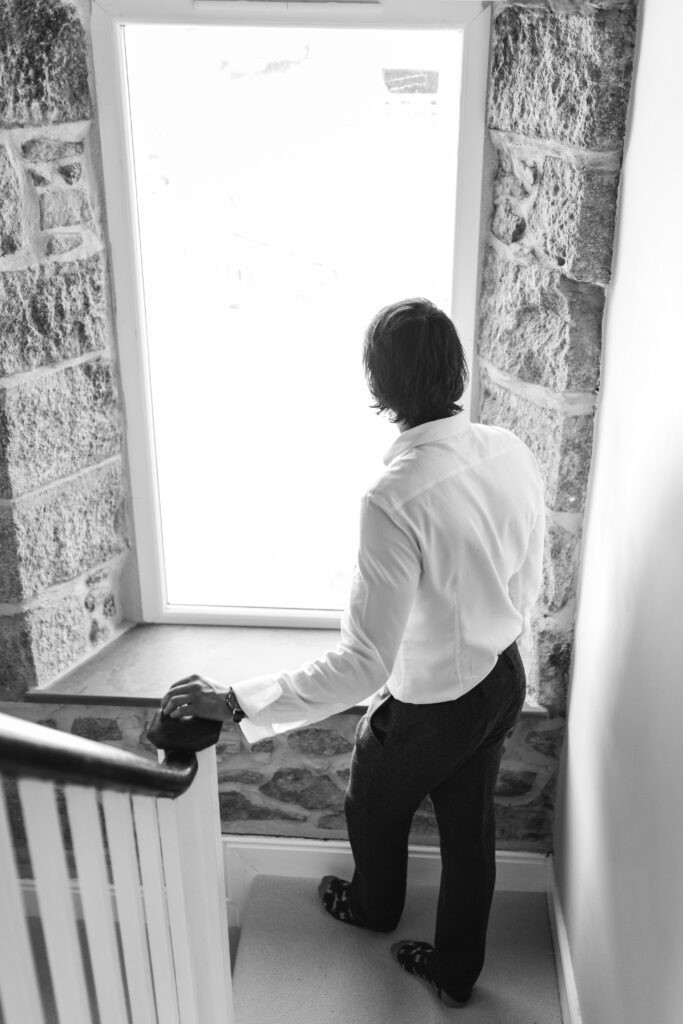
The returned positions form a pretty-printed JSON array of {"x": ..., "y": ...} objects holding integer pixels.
[{"x": 284, "y": 182}]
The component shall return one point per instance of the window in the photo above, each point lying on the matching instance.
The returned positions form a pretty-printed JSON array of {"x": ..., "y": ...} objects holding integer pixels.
[{"x": 286, "y": 175}]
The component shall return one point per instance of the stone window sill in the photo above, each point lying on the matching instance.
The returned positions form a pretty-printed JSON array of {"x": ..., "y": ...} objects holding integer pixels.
[{"x": 138, "y": 667}]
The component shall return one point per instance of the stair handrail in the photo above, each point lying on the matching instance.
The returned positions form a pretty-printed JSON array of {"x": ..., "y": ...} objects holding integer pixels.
[{"x": 36, "y": 751}]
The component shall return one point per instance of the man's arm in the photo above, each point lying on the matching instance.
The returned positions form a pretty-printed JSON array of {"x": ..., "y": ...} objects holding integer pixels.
[
  {"x": 382, "y": 593},
  {"x": 525, "y": 587}
]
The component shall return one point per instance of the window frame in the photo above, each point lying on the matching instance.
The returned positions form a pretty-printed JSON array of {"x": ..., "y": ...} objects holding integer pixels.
[{"x": 107, "y": 21}]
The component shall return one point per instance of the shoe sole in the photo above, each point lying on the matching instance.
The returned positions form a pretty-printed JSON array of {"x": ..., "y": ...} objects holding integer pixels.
[{"x": 443, "y": 997}]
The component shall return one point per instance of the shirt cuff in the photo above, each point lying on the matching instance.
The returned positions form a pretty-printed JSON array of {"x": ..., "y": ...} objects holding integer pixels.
[
  {"x": 254, "y": 696},
  {"x": 253, "y": 733}
]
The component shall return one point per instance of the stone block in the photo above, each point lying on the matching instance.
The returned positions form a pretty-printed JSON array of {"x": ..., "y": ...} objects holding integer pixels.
[
  {"x": 17, "y": 670},
  {"x": 507, "y": 224},
  {"x": 540, "y": 326},
  {"x": 562, "y": 74},
  {"x": 524, "y": 826},
  {"x": 39, "y": 179},
  {"x": 11, "y": 206},
  {"x": 62, "y": 241},
  {"x": 44, "y": 150},
  {"x": 527, "y": 824},
  {"x": 243, "y": 775},
  {"x": 319, "y": 742},
  {"x": 55, "y": 637},
  {"x": 98, "y": 598},
  {"x": 71, "y": 172},
  {"x": 263, "y": 747},
  {"x": 512, "y": 782},
  {"x": 53, "y": 634},
  {"x": 573, "y": 218},
  {"x": 57, "y": 534},
  {"x": 10, "y": 575},
  {"x": 51, "y": 312},
  {"x": 547, "y": 741},
  {"x": 62, "y": 208},
  {"x": 235, "y": 806},
  {"x": 333, "y": 821},
  {"x": 516, "y": 174},
  {"x": 560, "y": 566},
  {"x": 561, "y": 442},
  {"x": 548, "y": 684},
  {"x": 305, "y": 788},
  {"x": 43, "y": 63},
  {"x": 57, "y": 423},
  {"x": 97, "y": 728}
]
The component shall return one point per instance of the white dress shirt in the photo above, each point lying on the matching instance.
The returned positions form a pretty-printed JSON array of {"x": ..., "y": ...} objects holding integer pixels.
[{"x": 449, "y": 567}]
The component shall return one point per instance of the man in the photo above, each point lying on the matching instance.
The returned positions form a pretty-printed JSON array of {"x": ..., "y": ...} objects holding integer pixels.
[{"x": 449, "y": 566}]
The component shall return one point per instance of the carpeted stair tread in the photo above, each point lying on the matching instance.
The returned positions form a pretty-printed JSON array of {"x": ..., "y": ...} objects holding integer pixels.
[{"x": 297, "y": 965}]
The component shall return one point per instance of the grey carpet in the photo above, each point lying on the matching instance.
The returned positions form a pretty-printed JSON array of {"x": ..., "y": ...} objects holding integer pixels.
[{"x": 297, "y": 965}]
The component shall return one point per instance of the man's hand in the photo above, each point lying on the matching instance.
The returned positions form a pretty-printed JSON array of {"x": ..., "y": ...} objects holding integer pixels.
[{"x": 196, "y": 695}]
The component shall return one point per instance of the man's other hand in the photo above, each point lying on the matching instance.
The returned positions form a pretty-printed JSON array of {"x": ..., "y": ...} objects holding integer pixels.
[{"x": 196, "y": 695}]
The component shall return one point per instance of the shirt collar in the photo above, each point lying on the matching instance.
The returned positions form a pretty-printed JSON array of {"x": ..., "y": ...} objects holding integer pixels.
[{"x": 426, "y": 433}]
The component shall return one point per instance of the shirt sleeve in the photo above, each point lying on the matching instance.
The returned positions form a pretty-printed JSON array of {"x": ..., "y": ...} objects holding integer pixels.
[
  {"x": 383, "y": 589},
  {"x": 525, "y": 587}
]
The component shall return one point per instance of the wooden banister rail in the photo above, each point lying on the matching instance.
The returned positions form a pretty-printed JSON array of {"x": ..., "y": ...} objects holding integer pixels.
[
  {"x": 147, "y": 879},
  {"x": 34, "y": 751}
]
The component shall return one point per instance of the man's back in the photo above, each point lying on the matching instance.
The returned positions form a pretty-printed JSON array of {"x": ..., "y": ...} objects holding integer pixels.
[{"x": 471, "y": 498}]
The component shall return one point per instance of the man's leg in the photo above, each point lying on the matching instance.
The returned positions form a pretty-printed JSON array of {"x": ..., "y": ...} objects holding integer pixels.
[
  {"x": 465, "y": 816},
  {"x": 464, "y": 807},
  {"x": 381, "y": 798},
  {"x": 402, "y": 752}
]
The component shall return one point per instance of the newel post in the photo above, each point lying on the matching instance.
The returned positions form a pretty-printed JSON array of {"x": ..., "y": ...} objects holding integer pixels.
[{"x": 190, "y": 831}]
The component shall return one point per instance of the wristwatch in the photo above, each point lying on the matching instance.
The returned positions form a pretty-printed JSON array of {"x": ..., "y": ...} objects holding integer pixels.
[{"x": 233, "y": 706}]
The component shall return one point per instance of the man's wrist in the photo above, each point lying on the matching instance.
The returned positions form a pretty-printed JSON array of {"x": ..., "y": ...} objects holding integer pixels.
[{"x": 233, "y": 706}]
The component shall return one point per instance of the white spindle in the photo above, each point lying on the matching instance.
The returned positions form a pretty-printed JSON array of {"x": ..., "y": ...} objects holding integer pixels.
[
  {"x": 121, "y": 842},
  {"x": 199, "y": 830},
  {"x": 177, "y": 911},
  {"x": 19, "y": 989},
  {"x": 208, "y": 775},
  {"x": 96, "y": 901},
  {"x": 153, "y": 888},
  {"x": 55, "y": 900}
]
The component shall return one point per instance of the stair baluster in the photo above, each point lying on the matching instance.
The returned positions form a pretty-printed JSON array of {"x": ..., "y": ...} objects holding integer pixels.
[{"x": 158, "y": 833}]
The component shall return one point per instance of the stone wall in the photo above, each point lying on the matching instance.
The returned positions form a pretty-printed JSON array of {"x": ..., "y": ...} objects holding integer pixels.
[
  {"x": 560, "y": 77},
  {"x": 64, "y": 537},
  {"x": 294, "y": 785},
  {"x": 558, "y": 93}
]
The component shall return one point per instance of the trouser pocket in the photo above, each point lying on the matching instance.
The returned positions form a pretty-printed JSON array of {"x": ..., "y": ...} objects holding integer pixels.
[{"x": 379, "y": 716}]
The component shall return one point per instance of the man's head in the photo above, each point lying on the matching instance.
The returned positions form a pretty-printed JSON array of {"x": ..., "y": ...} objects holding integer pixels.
[{"x": 414, "y": 363}]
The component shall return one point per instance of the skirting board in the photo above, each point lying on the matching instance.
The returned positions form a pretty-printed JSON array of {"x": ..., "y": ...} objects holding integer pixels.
[
  {"x": 566, "y": 980},
  {"x": 246, "y": 857}
]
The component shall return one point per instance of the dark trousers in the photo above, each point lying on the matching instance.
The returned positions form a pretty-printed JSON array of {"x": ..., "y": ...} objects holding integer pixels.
[{"x": 450, "y": 751}]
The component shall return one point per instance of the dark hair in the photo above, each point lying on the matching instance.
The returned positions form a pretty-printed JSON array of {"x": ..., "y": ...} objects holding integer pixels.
[{"x": 414, "y": 363}]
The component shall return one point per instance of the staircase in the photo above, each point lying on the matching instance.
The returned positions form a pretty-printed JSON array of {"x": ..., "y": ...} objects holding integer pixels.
[
  {"x": 297, "y": 965},
  {"x": 122, "y": 919}
]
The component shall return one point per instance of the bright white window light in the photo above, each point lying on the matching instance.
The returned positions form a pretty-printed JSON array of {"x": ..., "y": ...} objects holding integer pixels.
[{"x": 289, "y": 182}]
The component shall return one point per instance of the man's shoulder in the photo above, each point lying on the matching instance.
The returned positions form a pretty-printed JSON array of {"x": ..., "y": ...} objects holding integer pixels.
[
  {"x": 497, "y": 437},
  {"x": 416, "y": 470},
  {"x": 397, "y": 480},
  {"x": 495, "y": 440}
]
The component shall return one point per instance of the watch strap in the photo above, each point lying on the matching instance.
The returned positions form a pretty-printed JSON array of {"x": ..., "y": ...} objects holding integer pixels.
[{"x": 233, "y": 704}]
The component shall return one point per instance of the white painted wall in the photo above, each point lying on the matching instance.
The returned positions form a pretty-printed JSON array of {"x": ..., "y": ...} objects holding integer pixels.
[{"x": 619, "y": 848}]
